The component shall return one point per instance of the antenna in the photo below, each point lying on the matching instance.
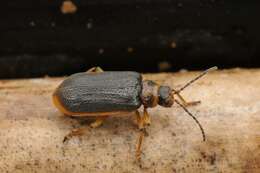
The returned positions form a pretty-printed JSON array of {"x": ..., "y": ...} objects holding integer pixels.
[
  {"x": 190, "y": 114},
  {"x": 196, "y": 78}
]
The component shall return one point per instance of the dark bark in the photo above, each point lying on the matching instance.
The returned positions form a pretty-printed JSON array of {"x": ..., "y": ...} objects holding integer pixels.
[{"x": 38, "y": 39}]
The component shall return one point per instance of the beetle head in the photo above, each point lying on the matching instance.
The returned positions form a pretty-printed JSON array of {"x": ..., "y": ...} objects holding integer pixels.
[
  {"x": 165, "y": 95},
  {"x": 153, "y": 94}
]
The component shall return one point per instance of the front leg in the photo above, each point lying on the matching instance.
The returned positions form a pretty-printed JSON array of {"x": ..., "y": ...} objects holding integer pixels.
[
  {"x": 184, "y": 102},
  {"x": 143, "y": 122},
  {"x": 139, "y": 120},
  {"x": 146, "y": 117},
  {"x": 139, "y": 145}
]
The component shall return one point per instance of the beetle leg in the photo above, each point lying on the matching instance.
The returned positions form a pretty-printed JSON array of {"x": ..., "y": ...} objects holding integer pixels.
[
  {"x": 143, "y": 121},
  {"x": 146, "y": 117},
  {"x": 139, "y": 145},
  {"x": 185, "y": 103},
  {"x": 139, "y": 120},
  {"x": 99, "y": 121},
  {"x": 80, "y": 131},
  {"x": 75, "y": 132},
  {"x": 95, "y": 70}
]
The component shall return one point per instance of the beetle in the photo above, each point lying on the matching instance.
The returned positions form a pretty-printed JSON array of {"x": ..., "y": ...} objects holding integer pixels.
[{"x": 102, "y": 94}]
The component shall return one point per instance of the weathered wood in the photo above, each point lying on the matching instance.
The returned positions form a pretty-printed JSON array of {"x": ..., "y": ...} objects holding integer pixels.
[{"x": 32, "y": 130}]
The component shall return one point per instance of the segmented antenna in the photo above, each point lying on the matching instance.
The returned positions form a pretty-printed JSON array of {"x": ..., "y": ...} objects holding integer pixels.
[
  {"x": 190, "y": 114},
  {"x": 196, "y": 78}
]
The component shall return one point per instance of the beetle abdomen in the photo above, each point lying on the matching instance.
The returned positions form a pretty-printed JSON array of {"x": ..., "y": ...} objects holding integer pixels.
[{"x": 100, "y": 92}]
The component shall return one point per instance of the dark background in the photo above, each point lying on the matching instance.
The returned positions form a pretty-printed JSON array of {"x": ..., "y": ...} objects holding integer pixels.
[{"x": 37, "y": 39}]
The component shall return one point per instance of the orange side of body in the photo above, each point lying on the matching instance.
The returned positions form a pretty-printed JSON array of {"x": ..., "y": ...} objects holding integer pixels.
[{"x": 62, "y": 109}]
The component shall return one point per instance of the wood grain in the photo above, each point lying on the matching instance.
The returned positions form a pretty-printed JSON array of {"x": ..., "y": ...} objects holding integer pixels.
[{"x": 32, "y": 130}]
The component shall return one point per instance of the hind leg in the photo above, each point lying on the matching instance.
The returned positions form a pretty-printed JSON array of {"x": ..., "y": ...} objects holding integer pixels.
[{"x": 81, "y": 131}]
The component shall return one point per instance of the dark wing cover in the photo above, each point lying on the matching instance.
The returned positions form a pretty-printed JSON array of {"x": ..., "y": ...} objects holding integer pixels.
[{"x": 101, "y": 92}]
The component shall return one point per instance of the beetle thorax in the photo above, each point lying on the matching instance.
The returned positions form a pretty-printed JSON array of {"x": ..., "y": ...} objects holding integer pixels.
[{"x": 153, "y": 94}]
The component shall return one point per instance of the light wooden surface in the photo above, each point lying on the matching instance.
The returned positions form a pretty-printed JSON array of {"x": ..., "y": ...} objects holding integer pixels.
[{"x": 32, "y": 130}]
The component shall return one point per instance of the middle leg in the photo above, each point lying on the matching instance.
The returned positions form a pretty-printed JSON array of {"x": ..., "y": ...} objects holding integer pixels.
[
  {"x": 98, "y": 122},
  {"x": 75, "y": 132}
]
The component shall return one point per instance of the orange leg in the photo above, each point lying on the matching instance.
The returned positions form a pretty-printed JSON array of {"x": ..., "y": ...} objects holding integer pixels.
[
  {"x": 145, "y": 120},
  {"x": 75, "y": 132},
  {"x": 139, "y": 145},
  {"x": 81, "y": 131},
  {"x": 95, "y": 70},
  {"x": 185, "y": 103},
  {"x": 139, "y": 120},
  {"x": 99, "y": 121},
  {"x": 146, "y": 117}
]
